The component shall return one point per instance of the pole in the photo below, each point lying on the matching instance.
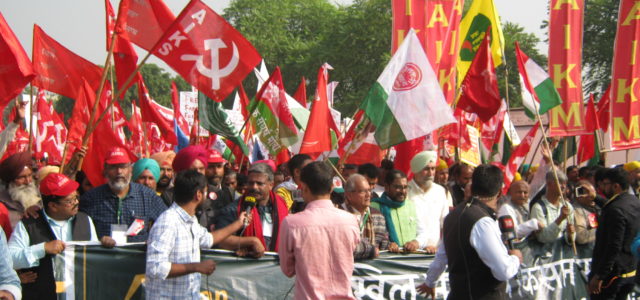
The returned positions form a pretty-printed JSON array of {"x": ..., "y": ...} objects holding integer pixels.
[{"x": 31, "y": 117}]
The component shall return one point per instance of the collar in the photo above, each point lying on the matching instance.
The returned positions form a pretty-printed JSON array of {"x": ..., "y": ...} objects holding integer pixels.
[
  {"x": 413, "y": 185},
  {"x": 320, "y": 204},
  {"x": 352, "y": 210},
  {"x": 490, "y": 212},
  {"x": 54, "y": 221},
  {"x": 183, "y": 214},
  {"x": 611, "y": 200}
]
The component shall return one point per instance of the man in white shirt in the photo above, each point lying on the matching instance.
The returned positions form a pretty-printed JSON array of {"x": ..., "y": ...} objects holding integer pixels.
[
  {"x": 429, "y": 198},
  {"x": 518, "y": 208},
  {"x": 479, "y": 263}
]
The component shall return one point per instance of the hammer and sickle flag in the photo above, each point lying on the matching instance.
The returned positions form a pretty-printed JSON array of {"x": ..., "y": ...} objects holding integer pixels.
[{"x": 207, "y": 51}]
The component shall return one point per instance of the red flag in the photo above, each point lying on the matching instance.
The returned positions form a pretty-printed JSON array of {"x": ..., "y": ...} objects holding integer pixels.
[
  {"x": 587, "y": 144},
  {"x": 126, "y": 60},
  {"x": 20, "y": 143},
  {"x": 155, "y": 140},
  {"x": 244, "y": 103},
  {"x": 80, "y": 116},
  {"x": 135, "y": 124},
  {"x": 207, "y": 51},
  {"x": 110, "y": 21},
  {"x": 362, "y": 148},
  {"x": 272, "y": 93},
  {"x": 480, "y": 93},
  {"x": 143, "y": 22},
  {"x": 177, "y": 114},
  {"x": 492, "y": 130},
  {"x": 604, "y": 110},
  {"x": 301, "y": 93},
  {"x": 591, "y": 119},
  {"x": 518, "y": 156},
  {"x": 317, "y": 136},
  {"x": 60, "y": 70},
  {"x": 17, "y": 70},
  {"x": 155, "y": 113},
  {"x": 51, "y": 132},
  {"x": 195, "y": 127}
]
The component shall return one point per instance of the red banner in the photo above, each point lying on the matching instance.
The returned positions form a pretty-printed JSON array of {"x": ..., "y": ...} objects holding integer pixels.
[
  {"x": 625, "y": 110},
  {"x": 565, "y": 65},
  {"x": 436, "y": 23}
]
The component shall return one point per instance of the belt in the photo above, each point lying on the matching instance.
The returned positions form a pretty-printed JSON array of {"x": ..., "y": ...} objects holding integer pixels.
[{"x": 627, "y": 275}]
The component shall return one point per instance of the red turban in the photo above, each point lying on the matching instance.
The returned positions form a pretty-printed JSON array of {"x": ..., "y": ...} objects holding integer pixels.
[
  {"x": 187, "y": 155},
  {"x": 11, "y": 167}
]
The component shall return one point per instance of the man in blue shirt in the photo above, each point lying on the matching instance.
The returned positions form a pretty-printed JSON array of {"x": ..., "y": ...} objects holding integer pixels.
[
  {"x": 35, "y": 240},
  {"x": 120, "y": 201}
]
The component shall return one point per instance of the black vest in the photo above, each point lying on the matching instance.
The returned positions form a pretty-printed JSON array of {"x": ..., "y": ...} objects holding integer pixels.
[
  {"x": 469, "y": 277},
  {"x": 40, "y": 232}
]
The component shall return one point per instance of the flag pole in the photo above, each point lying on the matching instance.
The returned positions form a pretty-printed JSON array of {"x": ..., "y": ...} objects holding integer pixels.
[
  {"x": 113, "y": 113},
  {"x": 32, "y": 115}
]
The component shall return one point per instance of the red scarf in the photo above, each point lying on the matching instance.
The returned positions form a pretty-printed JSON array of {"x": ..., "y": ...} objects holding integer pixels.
[{"x": 278, "y": 211}]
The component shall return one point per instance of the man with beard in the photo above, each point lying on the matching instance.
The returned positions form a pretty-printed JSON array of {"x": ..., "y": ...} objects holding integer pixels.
[
  {"x": 461, "y": 177},
  {"x": 267, "y": 212},
  {"x": 613, "y": 267},
  {"x": 173, "y": 253},
  {"x": 121, "y": 202},
  {"x": 633, "y": 169},
  {"x": 165, "y": 160},
  {"x": 430, "y": 200},
  {"x": 20, "y": 193},
  {"x": 196, "y": 158},
  {"x": 399, "y": 213},
  {"x": 555, "y": 216},
  {"x": 373, "y": 229},
  {"x": 215, "y": 169},
  {"x": 146, "y": 172},
  {"x": 518, "y": 208},
  {"x": 36, "y": 240}
]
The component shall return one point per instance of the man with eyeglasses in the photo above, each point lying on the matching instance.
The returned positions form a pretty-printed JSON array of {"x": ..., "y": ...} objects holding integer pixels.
[
  {"x": 119, "y": 203},
  {"x": 429, "y": 198},
  {"x": 35, "y": 241}
]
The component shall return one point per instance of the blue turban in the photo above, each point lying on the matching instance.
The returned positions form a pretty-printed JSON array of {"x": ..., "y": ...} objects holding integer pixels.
[{"x": 146, "y": 164}]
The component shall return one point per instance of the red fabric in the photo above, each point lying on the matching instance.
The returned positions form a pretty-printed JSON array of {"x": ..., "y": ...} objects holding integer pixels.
[
  {"x": 255, "y": 227},
  {"x": 177, "y": 114},
  {"x": 317, "y": 136},
  {"x": 207, "y": 40},
  {"x": 301, "y": 92},
  {"x": 80, "y": 116},
  {"x": 51, "y": 132},
  {"x": 5, "y": 223},
  {"x": 126, "y": 60},
  {"x": 155, "y": 113},
  {"x": 604, "y": 110},
  {"x": 195, "y": 127},
  {"x": 362, "y": 151},
  {"x": 591, "y": 119},
  {"x": 110, "y": 21},
  {"x": 19, "y": 144},
  {"x": 492, "y": 129},
  {"x": 518, "y": 156},
  {"x": 244, "y": 103},
  {"x": 586, "y": 147},
  {"x": 185, "y": 157},
  {"x": 480, "y": 93},
  {"x": 17, "y": 70},
  {"x": 272, "y": 93},
  {"x": 147, "y": 21},
  {"x": 60, "y": 70},
  {"x": 137, "y": 135},
  {"x": 405, "y": 152},
  {"x": 283, "y": 157}
]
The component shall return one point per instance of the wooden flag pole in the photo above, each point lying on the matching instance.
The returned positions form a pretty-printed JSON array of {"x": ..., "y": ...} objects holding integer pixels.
[{"x": 32, "y": 115}]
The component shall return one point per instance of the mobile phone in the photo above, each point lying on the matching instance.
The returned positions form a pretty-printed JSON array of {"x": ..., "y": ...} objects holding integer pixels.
[{"x": 581, "y": 191}]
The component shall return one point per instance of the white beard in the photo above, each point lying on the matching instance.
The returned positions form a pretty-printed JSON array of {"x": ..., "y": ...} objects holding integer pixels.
[
  {"x": 119, "y": 184},
  {"x": 28, "y": 195}
]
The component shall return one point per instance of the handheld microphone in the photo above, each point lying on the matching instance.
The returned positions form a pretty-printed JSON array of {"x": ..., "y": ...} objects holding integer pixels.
[
  {"x": 249, "y": 204},
  {"x": 508, "y": 230}
]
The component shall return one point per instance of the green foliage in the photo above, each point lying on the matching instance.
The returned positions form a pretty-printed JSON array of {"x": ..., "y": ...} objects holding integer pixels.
[
  {"x": 528, "y": 41},
  {"x": 600, "y": 21}
]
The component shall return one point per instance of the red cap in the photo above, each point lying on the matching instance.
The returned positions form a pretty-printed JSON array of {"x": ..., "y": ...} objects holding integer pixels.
[
  {"x": 117, "y": 155},
  {"x": 215, "y": 157},
  {"x": 56, "y": 184}
]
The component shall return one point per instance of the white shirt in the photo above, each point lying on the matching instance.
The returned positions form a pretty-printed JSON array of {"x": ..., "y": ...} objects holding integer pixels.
[
  {"x": 485, "y": 238},
  {"x": 431, "y": 209},
  {"x": 522, "y": 229}
]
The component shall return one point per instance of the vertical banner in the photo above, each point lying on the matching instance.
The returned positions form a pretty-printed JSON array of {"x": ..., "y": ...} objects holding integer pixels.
[
  {"x": 407, "y": 14},
  {"x": 624, "y": 101},
  {"x": 565, "y": 65}
]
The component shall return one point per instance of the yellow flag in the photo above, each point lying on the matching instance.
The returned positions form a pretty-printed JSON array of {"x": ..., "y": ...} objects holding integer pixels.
[{"x": 473, "y": 27}]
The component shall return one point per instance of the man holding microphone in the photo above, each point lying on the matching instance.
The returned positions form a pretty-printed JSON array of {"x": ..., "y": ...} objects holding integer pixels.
[{"x": 479, "y": 262}]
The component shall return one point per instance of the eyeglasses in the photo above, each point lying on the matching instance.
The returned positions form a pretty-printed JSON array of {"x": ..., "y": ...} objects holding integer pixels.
[{"x": 70, "y": 201}]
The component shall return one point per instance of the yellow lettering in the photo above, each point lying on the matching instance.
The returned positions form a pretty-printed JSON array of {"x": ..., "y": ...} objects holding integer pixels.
[
  {"x": 567, "y": 36},
  {"x": 400, "y": 36},
  {"x": 458, "y": 7},
  {"x": 438, "y": 51},
  {"x": 619, "y": 126},
  {"x": 573, "y": 3},
  {"x": 623, "y": 90},
  {"x": 633, "y": 14},
  {"x": 634, "y": 55},
  {"x": 408, "y": 8},
  {"x": 559, "y": 75},
  {"x": 558, "y": 113},
  {"x": 445, "y": 80},
  {"x": 453, "y": 42},
  {"x": 438, "y": 15}
]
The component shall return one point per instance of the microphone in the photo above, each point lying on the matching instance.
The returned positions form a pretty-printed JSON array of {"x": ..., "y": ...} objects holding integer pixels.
[
  {"x": 508, "y": 230},
  {"x": 249, "y": 204}
]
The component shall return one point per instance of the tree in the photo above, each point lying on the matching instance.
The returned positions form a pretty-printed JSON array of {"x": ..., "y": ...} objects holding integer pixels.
[
  {"x": 528, "y": 41},
  {"x": 600, "y": 25}
]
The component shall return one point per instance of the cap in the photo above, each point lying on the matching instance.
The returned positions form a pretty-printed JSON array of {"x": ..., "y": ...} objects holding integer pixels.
[
  {"x": 117, "y": 155},
  {"x": 56, "y": 184},
  {"x": 215, "y": 157}
]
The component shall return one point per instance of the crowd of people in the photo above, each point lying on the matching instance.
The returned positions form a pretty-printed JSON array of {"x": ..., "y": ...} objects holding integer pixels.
[{"x": 318, "y": 218}]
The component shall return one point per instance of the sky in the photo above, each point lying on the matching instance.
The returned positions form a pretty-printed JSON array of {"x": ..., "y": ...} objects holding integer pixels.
[{"x": 79, "y": 24}]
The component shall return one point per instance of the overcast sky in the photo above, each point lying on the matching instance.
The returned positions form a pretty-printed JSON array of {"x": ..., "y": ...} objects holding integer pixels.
[{"x": 79, "y": 24}]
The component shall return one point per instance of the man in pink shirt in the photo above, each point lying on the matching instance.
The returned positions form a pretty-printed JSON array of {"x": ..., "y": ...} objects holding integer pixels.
[{"x": 317, "y": 244}]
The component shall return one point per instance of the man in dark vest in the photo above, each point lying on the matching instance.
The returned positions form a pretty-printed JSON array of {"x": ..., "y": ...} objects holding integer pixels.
[
  {"x": 36, "y": 240},
  {"x": 479, "y": 263}
]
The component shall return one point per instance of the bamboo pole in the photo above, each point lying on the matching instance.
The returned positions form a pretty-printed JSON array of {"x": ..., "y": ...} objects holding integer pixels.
[{"x": 31, "y": 117}]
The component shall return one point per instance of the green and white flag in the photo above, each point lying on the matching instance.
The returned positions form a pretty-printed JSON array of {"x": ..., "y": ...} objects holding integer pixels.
[
  {"x": 536, "y": 86},
  {"x": 406, "y": 102},
  {"x": 214, "y": 119}
]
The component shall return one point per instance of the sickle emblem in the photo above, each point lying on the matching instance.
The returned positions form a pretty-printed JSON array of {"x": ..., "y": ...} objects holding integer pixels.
[{"x": 215, "y": 73}]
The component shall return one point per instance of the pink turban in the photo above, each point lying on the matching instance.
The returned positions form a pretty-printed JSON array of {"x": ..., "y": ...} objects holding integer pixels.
[{"x": 187, "y": 155}]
